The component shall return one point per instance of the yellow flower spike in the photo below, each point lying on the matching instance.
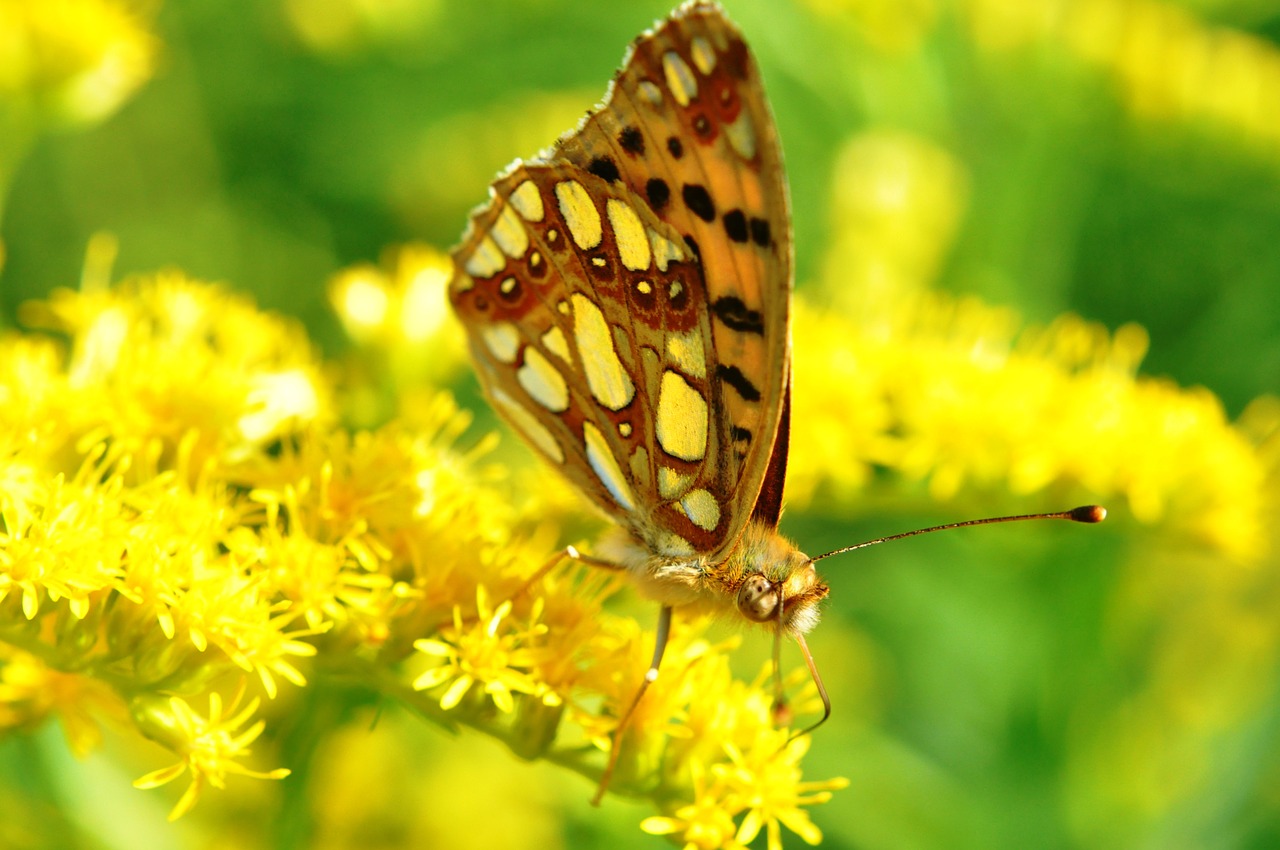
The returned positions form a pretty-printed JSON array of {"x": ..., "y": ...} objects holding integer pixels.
[
  {"x": 137, "y": 346},
  {"x": 64, "y": 548},
  {"x": 956, "y": 395}
]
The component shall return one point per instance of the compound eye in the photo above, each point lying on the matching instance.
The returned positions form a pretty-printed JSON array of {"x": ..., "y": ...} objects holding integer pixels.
[{"x": 758, "y": 599}]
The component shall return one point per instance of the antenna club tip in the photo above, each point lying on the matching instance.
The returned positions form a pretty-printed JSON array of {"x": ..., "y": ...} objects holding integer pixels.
[{"x": 1088, "y": 513}]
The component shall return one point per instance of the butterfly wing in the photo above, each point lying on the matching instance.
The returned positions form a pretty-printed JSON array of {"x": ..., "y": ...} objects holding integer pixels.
[
  {"x": 626, "y": 296},
  {"x": 686, "y": 126}
]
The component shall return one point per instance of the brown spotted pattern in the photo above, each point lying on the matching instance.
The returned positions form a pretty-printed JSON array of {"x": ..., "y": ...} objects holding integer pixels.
[{"x": 627, "y": 297}]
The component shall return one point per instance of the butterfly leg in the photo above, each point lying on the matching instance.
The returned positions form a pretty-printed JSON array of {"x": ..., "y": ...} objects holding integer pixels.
[
  {"x": 650, "y": 676},
  {"x": 569, "y": 553}
]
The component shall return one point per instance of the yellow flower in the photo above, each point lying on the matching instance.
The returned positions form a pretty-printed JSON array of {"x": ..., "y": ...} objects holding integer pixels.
[
  {"x": 397, "y": 314},
  {"x": 209, "y": 745},
  {"x": 486, "y": 649},
  {"x": 163, "y": 356},
  {"x": 951, "y": 392},
  {"x": 765, "y": 780},
  {"x": 63, "y": 542},
  {"x": 704, "y": 824}
]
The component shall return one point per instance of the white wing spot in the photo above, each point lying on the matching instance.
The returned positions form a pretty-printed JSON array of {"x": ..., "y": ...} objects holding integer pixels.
[
  {"x": 543, "y": 381},
  {"x": 703, "y": 55},
  {"x": 555, "y": 343},
  {"x": 508, "y": 231},
  {"x": 606, "y": 376},
  {"x": 624, "y": 428},
  {"x": 672, "y": 484},
  {"x": 628, "y": 232},
  {"x": 579, "y": 213},
  {"x": 682, "y": 418},
  {"x": 702, "y": 509},
  {"x": 686, "y": 352},
  {"x": 528, "y": 201},
  {"x": 644, "y": 287},
  {"x": 680, "y": 79},
  {"x": 606, "y": 467},
  {"x": 528, "y": 426},
  {"x": 487, "y": 260},
  {"x": 742, "y": 135},
  {"x": 507, "y": 286},
  {"x": 650, "y": 92},
  {"x": 503, "y": 340},
  {"x": 664, "y": 250},
  {"x": 673, "y": 545}
]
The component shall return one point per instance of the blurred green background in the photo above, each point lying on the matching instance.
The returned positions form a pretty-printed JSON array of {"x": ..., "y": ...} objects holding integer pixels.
[{"x": 1120, "y": 160}]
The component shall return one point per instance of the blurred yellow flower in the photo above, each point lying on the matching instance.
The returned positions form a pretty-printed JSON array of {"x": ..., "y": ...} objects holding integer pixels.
[
  {"x": 32, "y": 692},
  {"x": 890, "y": 26},
  {"x": 341, "y": 27},
  {"x": 395, "y": 313},
  {"x": 951, "y": 392},
  {"x": 1166, "y": 63},
  {"x": 71, "y": 61}
]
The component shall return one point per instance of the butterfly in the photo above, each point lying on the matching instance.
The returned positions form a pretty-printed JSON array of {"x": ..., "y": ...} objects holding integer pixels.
[{"x": 626, "y": 297}]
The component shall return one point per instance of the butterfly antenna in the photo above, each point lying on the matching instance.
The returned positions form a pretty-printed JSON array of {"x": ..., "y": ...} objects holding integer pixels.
[{"x": 1085, "y": 513}]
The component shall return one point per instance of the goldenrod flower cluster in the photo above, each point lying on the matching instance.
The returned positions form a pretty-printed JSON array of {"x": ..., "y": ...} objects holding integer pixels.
[{"x": 188, "y": 531}]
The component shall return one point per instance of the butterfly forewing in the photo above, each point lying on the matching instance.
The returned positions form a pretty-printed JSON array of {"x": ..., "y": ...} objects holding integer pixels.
[
  {"x": 626, "y": 297},
  {"x": 686, "y": 126}
]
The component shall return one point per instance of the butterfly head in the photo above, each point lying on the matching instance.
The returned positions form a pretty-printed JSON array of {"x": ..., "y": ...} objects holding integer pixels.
[{"x": 778, "y": 582}]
